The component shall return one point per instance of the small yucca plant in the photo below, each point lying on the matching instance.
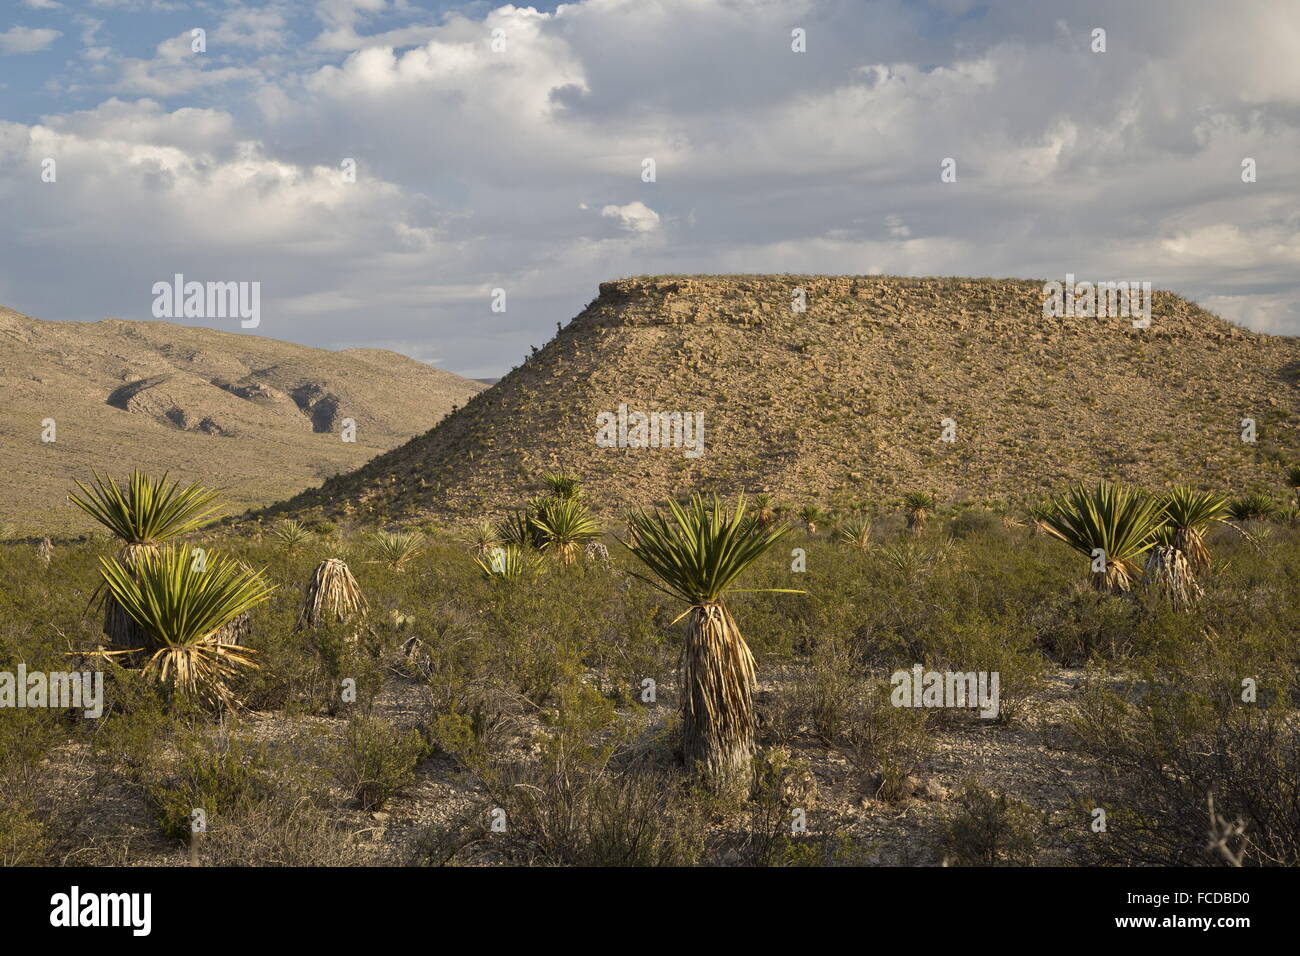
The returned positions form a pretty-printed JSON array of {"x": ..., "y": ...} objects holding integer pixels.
[
  {"x": 1189, "y": 514},
  {"x": 565, "y": 525},
  {"x": 1293, "y": 476},
  {"x": 695, "y": 553},
  {"x": 483, "y": 538},
  {"x": 560, "y": 485},
  {"x": 1252, "y": 507},
  {"x": 763, "y": 509},
  {"x": 856, "y": 532},
  {"x": 186, "y": 605},
  {"x": 519, "y": 529},
  {"x": 811, "y": 515},
  {"x": 1111, "y": 525},
  {"x": 507, "y": 563},
  {"x": 918, "y": 506},
  {"x": 293, "y": 534},
  {"x": 396, "y": 547}
]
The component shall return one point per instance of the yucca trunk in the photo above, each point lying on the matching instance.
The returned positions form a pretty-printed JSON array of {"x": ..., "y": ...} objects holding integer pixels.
[
  {"x": 915, "y": 521},
  {"x": 123, "y": 633},
  {"x": 1169, "y": 575},
  {"x": 717, "y": 699},
  {"x": 1191, "y": 542},
  {"x": 567, "y": 553},
  {"x": 1116, "y": 579}
]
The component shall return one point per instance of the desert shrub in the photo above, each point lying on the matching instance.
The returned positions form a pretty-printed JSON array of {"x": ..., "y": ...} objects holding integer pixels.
[
  {"x": 585, "y": 801},
  {"x": 1085, "y": 624},
  {"x": 25, "y": 739},
  {"x": 1004, "y": 647},
  {"x": 376, "y": 760},
  {"x": 990, "y": 829},
  {"x": 221, "y": 776},
  {"x": 975, "y": 522},
  {"x": 23, "y": 838},
  {"x": 285, "y": 827},
  {"x": 1165, "y": 746},
  {"x": 886, "y": 744}
]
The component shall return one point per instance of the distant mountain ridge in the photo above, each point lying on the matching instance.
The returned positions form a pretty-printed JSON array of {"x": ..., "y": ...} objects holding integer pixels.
[
  {"x": 849, "y": 400},
  {"x": 257, "y": 417}
]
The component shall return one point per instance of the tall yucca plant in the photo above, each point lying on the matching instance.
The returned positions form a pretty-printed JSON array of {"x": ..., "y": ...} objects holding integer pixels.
[
  {"x": 1189, "y": 515},
  {"x": 144, "y": 515},
  {"x": 148, "y": 512},
  {"x": 695, "y": 553},
  {"x": 1111, "y": 524},
  {"x": 564, "y": 523},
  {"x": 185, "y": 604}
]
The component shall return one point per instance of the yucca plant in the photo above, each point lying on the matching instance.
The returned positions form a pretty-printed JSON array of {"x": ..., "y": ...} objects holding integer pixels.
[
  {"x": 1251, "y": 507},
  {"x": 695, "y": 553},
  {"x": 1293, "y": 476},
  {"x": 519, "y": 529},
  {"x": 186, "y": 607},
  {"x": 1189, "y": 514},
  {"x": 811, "y": 515},
  {"x": 293, "y": 534},
  {"x": 483, "y": 538},
  {"x": 1112, "y": 525},
  {"x": 918, "y": 506},
  {"x": 763, "y": 509},
  {"x": 507, "y": 563},
  {"x": 143, "y": 516},
  {"x": 396, "y": 547},
  {"x": 148, "y": 512},
  {"x": 332, "y": 594},
  {"x": 560, "y": 485},
  {"x": 856, "y": 532},
  {"x": 565, "y": 524}
]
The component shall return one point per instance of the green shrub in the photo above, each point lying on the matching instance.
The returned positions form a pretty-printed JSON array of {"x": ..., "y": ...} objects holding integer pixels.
[
  {"x": 988, "y": 829},
  {"x": 377, "y": 760}
]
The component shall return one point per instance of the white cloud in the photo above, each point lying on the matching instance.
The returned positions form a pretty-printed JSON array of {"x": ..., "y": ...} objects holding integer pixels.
[
  {"x": 26, "y": 40},
  {"x": 635, "y": 216}
]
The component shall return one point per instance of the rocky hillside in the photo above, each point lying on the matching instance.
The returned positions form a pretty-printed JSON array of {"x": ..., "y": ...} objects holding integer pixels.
[
  {"x": 258, "y": 418},
  {"x": 846, "y": 402}
]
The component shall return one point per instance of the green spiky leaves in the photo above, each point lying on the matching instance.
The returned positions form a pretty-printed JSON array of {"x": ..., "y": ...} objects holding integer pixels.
[
  {"x": 697, "y": 551},
  {"x": 148, "y": 511}
]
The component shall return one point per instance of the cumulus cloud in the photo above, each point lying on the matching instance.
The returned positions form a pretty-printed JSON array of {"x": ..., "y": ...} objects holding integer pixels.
[
  {"x": 26, "y": 40},
  {"x": 635, "y": 216},
  {"x": 517, "y": 163}
]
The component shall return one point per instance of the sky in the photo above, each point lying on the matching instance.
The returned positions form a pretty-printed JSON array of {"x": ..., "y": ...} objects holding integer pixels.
[{"x": 502, "y": 147}]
